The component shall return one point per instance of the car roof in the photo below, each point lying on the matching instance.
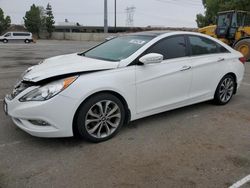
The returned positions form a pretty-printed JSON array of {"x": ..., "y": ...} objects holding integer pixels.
[
  {"x": 152, "y": 33},
  {"x": 18, "y": 32},
  {"x": 165, "y": 33},
  {"x": 157, "y": 33}
]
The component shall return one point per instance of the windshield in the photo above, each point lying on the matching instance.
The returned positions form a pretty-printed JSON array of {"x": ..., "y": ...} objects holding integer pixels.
[
  {"x": 224, "y": 20},
  {"x": 118, "y": 48},
  {"x": 7, "y": 35}
]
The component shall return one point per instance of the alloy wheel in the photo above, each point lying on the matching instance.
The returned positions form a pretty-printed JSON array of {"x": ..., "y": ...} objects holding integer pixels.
[
  {"x": 102, "y": 119},
  {"x": 226, "y": 89}
]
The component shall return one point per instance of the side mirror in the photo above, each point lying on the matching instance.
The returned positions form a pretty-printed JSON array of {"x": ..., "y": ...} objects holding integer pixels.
[{"x": 151, "y": 58}]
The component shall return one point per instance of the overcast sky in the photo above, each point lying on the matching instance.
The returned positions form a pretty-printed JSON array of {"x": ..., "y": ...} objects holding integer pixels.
[{"x": 173, "y": 13}]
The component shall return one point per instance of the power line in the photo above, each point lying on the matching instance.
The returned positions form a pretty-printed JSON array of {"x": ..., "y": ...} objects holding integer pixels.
[
  {"x": 162, "y": 17},
  {"x": 179, "y": 3}
]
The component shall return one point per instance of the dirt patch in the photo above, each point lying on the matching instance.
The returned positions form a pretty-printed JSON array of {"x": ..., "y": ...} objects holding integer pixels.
[
  {"x": 237, "y": 115},
  {"x": 239, "y": 161},
  {"x": 247, "y": 185},
  {"x": 1, "y": 180}
]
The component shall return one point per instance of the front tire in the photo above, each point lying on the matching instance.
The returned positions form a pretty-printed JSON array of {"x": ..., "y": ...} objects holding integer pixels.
[
  {"x": 225, "y": 90},
  {"x": 5, "y": 41},
  {"x": 100, "y": 118}
]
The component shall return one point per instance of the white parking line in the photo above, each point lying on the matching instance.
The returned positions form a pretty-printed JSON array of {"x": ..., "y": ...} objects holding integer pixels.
[
  {"x": 7, "y": 72},
  {"x": 10, "y": 144},
  {"x": 241, "y": 182}
]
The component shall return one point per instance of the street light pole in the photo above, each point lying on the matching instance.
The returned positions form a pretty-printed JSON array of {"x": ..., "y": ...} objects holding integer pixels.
[{"x": 105, "y": 16}]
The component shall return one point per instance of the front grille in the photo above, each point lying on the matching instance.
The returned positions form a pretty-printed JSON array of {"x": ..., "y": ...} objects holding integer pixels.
[{"x": 19, "y": 87}]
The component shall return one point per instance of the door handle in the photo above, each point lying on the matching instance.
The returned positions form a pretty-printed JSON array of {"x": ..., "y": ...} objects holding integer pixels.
[
  {"x": 220, "y": 59},
  {"x": 185, "y": 67}
]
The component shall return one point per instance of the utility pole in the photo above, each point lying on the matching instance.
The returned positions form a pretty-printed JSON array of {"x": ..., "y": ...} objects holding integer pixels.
[
  {"x": 105, "y": 16},
  {"x": 130, "y": 16},
  {"x": 115, "y": 16}
]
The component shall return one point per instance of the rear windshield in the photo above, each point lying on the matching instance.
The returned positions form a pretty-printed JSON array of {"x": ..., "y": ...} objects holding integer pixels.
[{"x": 118, "y": 48}]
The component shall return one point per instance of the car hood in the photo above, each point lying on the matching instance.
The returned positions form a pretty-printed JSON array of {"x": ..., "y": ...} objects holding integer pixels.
[{"x": 66, "y": 64}]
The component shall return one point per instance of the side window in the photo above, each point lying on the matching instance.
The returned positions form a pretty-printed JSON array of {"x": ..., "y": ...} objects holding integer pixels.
[
  {"x": 172, "y": 47},
  {"x": 221, "y": 49},
  {"x": 7, "y": 35},
  {"x": 202, "y": 46},
  {"x": 247, "y": 20},
  {"x": 21, "y": 34}
]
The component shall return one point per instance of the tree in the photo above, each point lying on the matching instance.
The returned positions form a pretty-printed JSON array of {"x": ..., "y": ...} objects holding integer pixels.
[
  {"x": 33, "y": 19},
  {"x": 4, "y": 21},
  {"x": 49, "y": 20},
  {"x": 212, "y": 7}
]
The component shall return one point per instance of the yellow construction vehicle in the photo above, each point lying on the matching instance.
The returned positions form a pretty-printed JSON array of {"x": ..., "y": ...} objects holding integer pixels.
[{"x": 233, "y": 28}]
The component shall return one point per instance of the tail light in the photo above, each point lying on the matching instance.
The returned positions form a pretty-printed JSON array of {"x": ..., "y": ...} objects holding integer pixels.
[{"x": 243, "y": 60}]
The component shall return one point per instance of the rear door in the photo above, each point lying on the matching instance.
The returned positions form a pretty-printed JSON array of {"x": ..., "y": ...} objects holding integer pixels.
[{"x": 208, "y": 61}]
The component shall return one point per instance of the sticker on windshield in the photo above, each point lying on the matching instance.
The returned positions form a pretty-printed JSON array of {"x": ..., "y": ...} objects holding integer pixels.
[{"x": 136, "y": 41}]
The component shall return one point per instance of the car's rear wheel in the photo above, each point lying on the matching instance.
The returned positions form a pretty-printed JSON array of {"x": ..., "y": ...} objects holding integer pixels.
[
  {"x": 26, "y": 41},
  {"x": 5, "y": 41},
  {"x": 225, "y": 90},
  {"x": 100, "y": 117}
]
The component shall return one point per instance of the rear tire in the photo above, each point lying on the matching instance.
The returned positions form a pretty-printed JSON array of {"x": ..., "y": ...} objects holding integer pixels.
[
  {"x": 26, "y": 41},
  {"x": 5, "y": 41},
  {"x": 99, "y": 118},
  {"x": 225, "y": 90},
  {"x": 243, "y": 46}
]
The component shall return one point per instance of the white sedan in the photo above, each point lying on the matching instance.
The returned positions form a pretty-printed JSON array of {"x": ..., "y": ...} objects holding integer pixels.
[{"x": 93, "y": 93}]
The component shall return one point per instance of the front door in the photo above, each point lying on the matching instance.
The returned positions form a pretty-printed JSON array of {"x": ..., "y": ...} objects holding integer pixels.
[{"x": 166, "y": 83}]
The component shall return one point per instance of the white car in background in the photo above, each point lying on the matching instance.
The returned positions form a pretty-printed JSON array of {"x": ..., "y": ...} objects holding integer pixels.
[
  {"x": 93, "y": 93},
  {"x": 26, "y": 37}
]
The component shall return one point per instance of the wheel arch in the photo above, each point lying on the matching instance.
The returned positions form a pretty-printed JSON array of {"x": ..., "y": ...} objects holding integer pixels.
[
  {"x": 116, "y": 94},
  {"x": 235, "y": 79}
]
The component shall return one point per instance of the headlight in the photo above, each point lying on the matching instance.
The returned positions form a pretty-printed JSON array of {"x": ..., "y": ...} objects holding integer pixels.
[{"x": 48, "y": 91}]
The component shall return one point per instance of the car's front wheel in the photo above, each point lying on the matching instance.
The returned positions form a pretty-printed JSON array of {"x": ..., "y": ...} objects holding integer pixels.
[
  {"x": 100, "y": 117},
  {"x": 225, "y": 90},
  {"x": 5, "y": 41}
]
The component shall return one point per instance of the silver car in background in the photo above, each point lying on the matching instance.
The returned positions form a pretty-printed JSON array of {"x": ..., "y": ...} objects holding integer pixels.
[{"x": 26, "y": 37}]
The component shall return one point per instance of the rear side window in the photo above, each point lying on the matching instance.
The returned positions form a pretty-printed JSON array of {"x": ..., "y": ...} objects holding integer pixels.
[
  {"x": 202, "y": 46},
  {"x": 21, "y": 34},
  {"x": 172, "y": 47}
]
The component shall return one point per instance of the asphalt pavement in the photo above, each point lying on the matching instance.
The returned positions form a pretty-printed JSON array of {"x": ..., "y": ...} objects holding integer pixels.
[{"x": 202, "y": 145}]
